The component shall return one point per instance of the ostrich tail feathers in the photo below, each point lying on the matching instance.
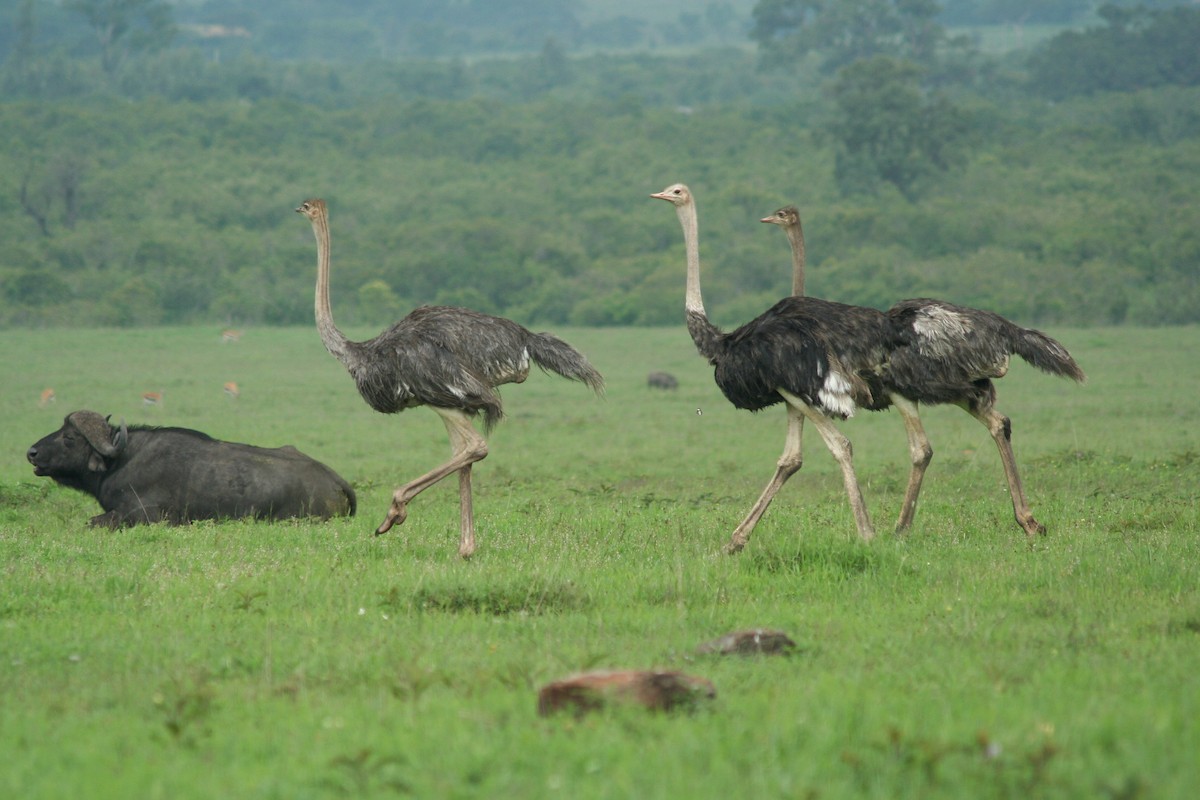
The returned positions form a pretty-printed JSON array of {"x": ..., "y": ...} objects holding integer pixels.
[
  {"x": 492, "y": 414},
  {"x": 1047, "y": 355},
  {"x": 554, "y": 355}
]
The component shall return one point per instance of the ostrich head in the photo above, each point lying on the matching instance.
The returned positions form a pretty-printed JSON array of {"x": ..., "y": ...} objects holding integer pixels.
[
  {"x": 786, "y": 217},
  {"x": 676, "y": 194},
  {"x": 311, "y": 208}
]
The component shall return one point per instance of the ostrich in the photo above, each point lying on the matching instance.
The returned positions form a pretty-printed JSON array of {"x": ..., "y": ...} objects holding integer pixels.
[
  {"x": 822, "y": 359},
  {"x": 951, "y": 354},
  {"x": 450, "y": 359}
]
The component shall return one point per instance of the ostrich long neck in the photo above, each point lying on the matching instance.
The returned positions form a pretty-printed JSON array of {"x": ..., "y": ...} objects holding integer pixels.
[
  {"x": 795, "y": 234},
  {"x": 703, "y": 332},
  {"x": 335, "y": 341}
]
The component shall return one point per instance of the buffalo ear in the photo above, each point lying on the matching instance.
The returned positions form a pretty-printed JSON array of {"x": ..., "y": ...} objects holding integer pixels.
[
  {"x": 95, "y": 429},
  {"x": 97, "y": 462}
]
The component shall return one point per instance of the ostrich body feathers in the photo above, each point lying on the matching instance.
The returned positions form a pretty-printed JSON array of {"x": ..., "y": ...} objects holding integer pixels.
[
  {"x": 450, "y": 357},
  {"x": 830, "y": 355},
  {"x": 951, "y": 353}
]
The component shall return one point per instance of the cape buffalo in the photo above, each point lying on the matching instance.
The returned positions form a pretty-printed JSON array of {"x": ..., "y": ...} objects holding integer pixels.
[{"x": 145, "y": 474}]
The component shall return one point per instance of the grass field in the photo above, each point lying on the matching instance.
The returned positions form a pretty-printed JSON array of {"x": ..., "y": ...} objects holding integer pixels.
[{"x": 301, "y": 660}]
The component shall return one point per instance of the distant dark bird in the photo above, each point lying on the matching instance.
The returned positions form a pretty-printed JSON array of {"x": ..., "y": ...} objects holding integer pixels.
[
  {"x": 450, "y": 359},
  {"x": 823, "y": 359},
  {"x": 950, "y": 354}
]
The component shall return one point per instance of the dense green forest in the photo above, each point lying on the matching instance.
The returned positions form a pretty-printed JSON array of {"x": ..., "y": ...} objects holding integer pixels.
[{"x": 154, "y": 152}]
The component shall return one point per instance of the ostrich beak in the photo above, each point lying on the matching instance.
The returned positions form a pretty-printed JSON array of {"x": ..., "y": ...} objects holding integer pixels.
[{"x": 767, "y": 219}]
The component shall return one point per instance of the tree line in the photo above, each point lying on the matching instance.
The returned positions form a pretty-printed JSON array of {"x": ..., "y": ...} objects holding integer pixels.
[{"x": 160, "y": 191}]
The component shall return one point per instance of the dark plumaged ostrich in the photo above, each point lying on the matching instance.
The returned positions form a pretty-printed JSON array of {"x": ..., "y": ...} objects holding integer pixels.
[
  {"x": 822, "y": 359},
  {"x": 450, "y": 359},
  {"x": 951, "y": 354}
]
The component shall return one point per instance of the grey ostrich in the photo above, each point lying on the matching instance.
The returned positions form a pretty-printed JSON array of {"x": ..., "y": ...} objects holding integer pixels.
[
  {"x": 450, "y": 359},
  {"x": 951, "y": 354},
  {"x": 822, "y": 359}
]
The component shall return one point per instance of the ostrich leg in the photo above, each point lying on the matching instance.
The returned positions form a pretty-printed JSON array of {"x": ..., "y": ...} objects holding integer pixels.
[
  {"x": 920, "y": 451},
  {"x": 791, "y": 460},
  {"x": 467, "y": 447},
  {"x": 466, "y": 514},
  {"x": 840, "y": 447},
  {"x": 1000, "y": 427}
]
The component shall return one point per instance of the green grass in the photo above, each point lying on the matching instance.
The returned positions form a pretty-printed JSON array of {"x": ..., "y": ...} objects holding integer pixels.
[{"x": 314, "y": 660}]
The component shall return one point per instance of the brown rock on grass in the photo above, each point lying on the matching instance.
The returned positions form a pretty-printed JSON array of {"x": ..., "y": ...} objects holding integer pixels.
[
  {"x": 657, "y": 691},
  {"x": 749, "y": 642}
]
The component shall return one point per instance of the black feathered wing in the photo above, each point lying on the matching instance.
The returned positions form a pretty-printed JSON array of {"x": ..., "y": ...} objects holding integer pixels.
[
  {"x": 828, "y": 354},
  {"x": 768, "y": 354}
]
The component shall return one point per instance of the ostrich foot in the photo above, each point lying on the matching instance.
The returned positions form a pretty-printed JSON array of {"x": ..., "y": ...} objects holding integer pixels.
[
  {"x": 1033, "y": 527},
  {"x": 734, "y": 546},
  {"x": 395, "y": 516}
]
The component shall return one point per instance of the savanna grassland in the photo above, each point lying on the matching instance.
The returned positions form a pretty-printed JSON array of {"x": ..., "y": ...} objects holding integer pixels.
[{"x": 306, "y": 660}]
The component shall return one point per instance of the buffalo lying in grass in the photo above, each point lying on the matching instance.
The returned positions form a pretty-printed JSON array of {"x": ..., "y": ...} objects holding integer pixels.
[{"x": 144, "y": 474}]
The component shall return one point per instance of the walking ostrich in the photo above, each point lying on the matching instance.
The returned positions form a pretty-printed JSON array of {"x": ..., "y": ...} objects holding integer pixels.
[
  {"x": 822, "y": 359},
  {"x": 450, "y": 359},
  {"x": 951, "y": 354}
]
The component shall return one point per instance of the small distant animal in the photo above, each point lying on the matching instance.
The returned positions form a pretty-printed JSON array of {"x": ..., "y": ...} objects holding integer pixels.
[
  {"x": 752, "y": 641},
  {"x": 144, "y": 474},
  {"x": 151, "y": 399},
  {"x": 662, "y": 380},
  {"x": 48, "y": 398},
  {"x": 230, "y": 336},
  {"x": 650, "y": 689},
  {"x": 232, "y": 391}
]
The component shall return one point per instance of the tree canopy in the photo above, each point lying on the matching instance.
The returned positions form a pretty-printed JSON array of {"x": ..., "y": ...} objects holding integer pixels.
[
  {"x": 161, "y": 191},
  {"x": 1133, "y": 49},
  {"x": 843, "y": 32}
]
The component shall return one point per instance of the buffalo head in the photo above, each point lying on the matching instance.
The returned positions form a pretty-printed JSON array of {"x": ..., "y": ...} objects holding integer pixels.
[{"x": 83, "y": 444}]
